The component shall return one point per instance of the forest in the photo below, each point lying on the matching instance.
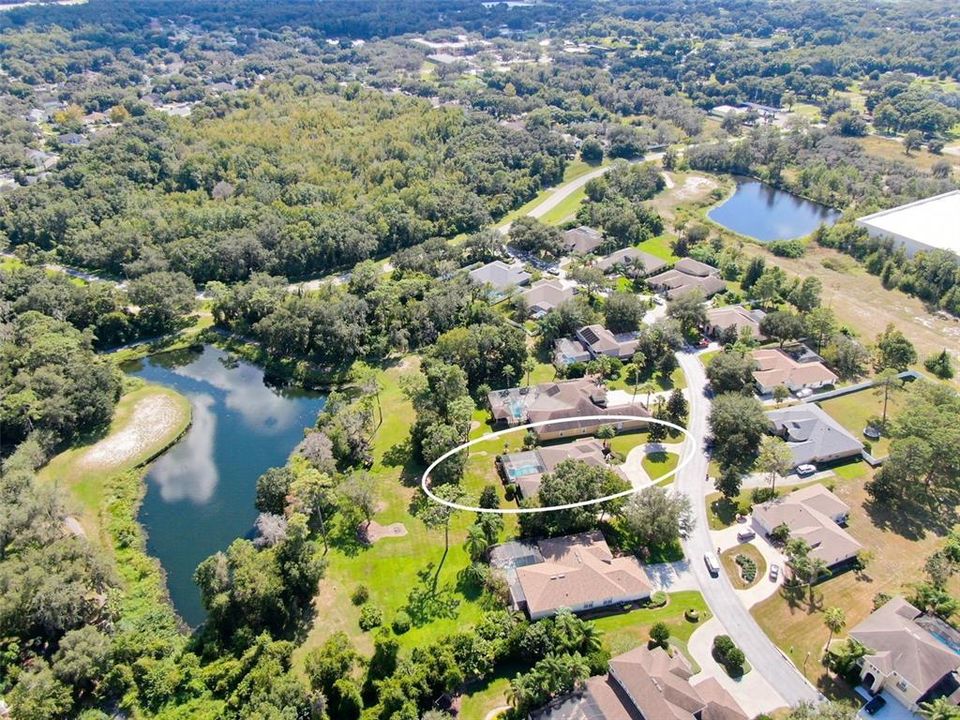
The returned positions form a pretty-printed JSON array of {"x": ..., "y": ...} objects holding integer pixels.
[{"x": 205, "y": 157}]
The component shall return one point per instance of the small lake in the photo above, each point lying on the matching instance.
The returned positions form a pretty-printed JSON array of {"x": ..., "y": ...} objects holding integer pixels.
[
  {"x": 200, "y": 493},
  {"x": 765, "y": 213}
]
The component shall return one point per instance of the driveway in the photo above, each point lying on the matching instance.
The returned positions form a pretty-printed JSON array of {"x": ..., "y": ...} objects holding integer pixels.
[
  {"x": 727, "y": 538},
  {"x": 672, "y": 576},
  {"x": 726, "y": 605},
  {"x": 753, "y": 692}
]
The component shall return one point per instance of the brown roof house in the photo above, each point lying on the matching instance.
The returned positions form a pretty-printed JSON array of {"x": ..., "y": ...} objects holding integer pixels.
[
  {"x": 646, "y": 684},
  {"x": 911, "y": 656},
  {"x": 577, "y": 572},
  {"x": 559, "y": 400},
  {"x": 733, "y": 316},
  {"x": 544, "y": 295},
  {"x": 686, "y": 276},
  {"x": 527, "y": 468},
  {"x": 814, "y": 514},
  {"x": 775, "y": 367},
  {"x": 582, "y": 240},
  {"x": 632, "y": 263},
  {"x": 600, "y": 341}
]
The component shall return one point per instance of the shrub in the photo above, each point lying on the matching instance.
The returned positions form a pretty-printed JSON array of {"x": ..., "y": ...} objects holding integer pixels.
[
  {"x": 510, "y": 492},
  {"x": 762, "y": 494},
  {"x": 360, "y": 595},
  {"x": 729, "y": 655},
  {"x": 658, "y": 599},
  {"x": 659, "y": 634},
  {"x": 692, "y": 615},
  {"x": 781, "y": 533},
  {"x": 787, "y": 248},
  {"x": 370, "y": 617},
  {"x": 748, "y": 568},
  {"x": 401, "y": 622}
]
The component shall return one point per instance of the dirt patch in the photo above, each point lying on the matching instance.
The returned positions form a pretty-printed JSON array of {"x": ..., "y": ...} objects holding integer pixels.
[
  {"x": 369, "y": 533},
  {"x": 694, "y": 187},
  {"x": 152, "y": 418}
]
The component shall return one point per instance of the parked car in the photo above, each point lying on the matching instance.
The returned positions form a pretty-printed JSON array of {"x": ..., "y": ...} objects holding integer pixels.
[
  {"x": 746, "y": 535},
  {"x": 713, "y": 567},
  {"x": 804, "y": 392},
  {"x": 876, "y": 702},
  {"x": 806, "y": 469},
  {"x": 774, "y": 572}
]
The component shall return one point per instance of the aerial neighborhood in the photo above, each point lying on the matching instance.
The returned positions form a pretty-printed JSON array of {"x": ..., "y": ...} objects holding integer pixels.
[{"x": 469, "y": 360}]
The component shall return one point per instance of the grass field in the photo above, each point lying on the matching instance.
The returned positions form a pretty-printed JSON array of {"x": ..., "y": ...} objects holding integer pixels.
[
  {"x": 85, "y": 481},
  {"x": 660, "y": 246},
  {"x": 855, "y": 410},
  {"x": 397, "y": 570},
  {"x": 660, "y": 463},
  {"x": 892, "y": 149},
  {"x": 567, "y": 209},
  {"x": 862, "y": 303},
  {"x": 728, "y": 559},
  {"x": 901, "y": 543}
]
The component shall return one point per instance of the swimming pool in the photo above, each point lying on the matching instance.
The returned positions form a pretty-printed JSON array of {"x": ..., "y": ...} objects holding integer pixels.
[{"x": 523, "y": 471}]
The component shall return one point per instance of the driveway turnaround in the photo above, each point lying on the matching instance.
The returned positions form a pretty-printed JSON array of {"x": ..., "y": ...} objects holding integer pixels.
[
  {"x": 727, "y": 607},
  {"x": 752, "y": 691}
]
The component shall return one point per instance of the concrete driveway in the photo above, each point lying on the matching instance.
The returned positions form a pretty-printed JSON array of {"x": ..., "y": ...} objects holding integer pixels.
[
  {"x": 765, "y": 587},
  {"x": 672, "y": 576},
  {"x": 752, "y": 691},
  {"x": 767, "y": 660}
]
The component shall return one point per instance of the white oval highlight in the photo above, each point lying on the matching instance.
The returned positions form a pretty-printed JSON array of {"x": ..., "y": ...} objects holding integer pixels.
[{"x": 685, "y": 458}]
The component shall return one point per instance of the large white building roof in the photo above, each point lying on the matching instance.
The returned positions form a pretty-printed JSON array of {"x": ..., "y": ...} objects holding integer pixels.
[{"x": 932, "y": 223}]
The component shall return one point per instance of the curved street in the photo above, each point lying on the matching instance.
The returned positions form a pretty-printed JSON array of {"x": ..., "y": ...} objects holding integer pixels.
[{"x": 718, "y": 592}]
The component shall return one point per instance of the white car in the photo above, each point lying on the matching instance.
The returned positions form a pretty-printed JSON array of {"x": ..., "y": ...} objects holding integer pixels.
[
  {"x": 804, "y": 392},
  {"x": 806, "y": 469}
]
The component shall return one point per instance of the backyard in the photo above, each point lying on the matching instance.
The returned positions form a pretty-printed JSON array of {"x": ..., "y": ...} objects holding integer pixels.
[{"x": 855, "y": 410}]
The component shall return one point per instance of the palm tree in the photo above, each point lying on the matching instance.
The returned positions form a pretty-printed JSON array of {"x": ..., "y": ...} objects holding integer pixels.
[
  {"x": 508, "y": 373},
  {"x": 835, "y": 620},
  {"x": 632, "y": 368},
  {"x": 649, "y": 387},
  {"x": 528, "y": 367},
  {"x": 476, "y": 543},
  {"x": 939, "y": 709},
  {"x": 817, "y": 568}
]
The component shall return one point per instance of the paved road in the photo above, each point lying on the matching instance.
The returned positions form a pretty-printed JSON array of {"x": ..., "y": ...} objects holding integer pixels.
[{"x": 718, "y": 592}]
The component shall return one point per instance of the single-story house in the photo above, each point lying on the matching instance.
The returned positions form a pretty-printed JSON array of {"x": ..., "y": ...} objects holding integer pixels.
[
  {"x": 629, "y": 261},
  {"x": 74, "y": 139},
  {"x": 574, "y": 399},
  {"x": 686, "y": 276},
  {"x": 527, "y": 468},
  {"x": 737, "y": 317},
  {"x": 577, "y": 572},
  {"x": 911, "y": 655},
  {"x": 544, "y": 295},
  {"x": 582, "y": 240},
  {"x": 812, "y": 435},
  {"x": 600, "y": 341},
  {"x": 775, "y": 367},
  {"x": 567, "y": 351},
  {"x": 500, "y": 276},
  {"x": 646, "y": 684},
  {"x": 814, "y": 514}
]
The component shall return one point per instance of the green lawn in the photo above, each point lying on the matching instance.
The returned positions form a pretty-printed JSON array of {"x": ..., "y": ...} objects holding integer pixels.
[
  {"x": 567, "y": 209},
  {"x": 86, "y": 483},
  {"x": 660, "y": 246},
  {"x": 622, "y": 444},
  {"x": 575, "y": 169},
  {"x": 855, "y": 410},
  {"x": 398, "y": 569},
  {"x": 625, "y": 631},
  {"x": 660, "y": 463}
]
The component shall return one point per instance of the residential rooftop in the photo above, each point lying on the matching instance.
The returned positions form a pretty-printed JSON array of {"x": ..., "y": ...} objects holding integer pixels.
[
  {"x": 626, "y": 259},
  {"x": 499, "y": 275},
  {"x": 775, "y": 367},
  {"x": 582, "y": 240},
  {"x": 812, "y": 435},
  {"x": 528, "y": 467}
]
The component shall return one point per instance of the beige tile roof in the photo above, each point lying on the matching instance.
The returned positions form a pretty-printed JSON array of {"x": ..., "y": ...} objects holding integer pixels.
[
  {"x": 828, "y": 541},
  {"x": 897, "y": 642},
  {"x": 651, "y": 263},
  {"x": 734, "y": 316},
  {"x": 775, "y": 367},
  {"x": 582, "y": 240},
  {"x": 546, "y": 294},
  {"x": 580, "y": 569}
]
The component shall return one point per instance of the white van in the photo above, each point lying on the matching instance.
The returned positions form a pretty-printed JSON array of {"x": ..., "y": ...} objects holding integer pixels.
[{"x": 713, "y": 567}]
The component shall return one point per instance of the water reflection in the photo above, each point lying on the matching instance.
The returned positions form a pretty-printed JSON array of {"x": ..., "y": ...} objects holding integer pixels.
[
  {"x": 200, "y": 493},
  {"x": 188, "y": 471},
  {"x": 763, "y": 212}
]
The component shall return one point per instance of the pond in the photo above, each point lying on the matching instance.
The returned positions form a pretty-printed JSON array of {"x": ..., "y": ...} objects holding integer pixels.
[
  {"x": 765, "y": 213},
  {"x": 200, "y": 493}
]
